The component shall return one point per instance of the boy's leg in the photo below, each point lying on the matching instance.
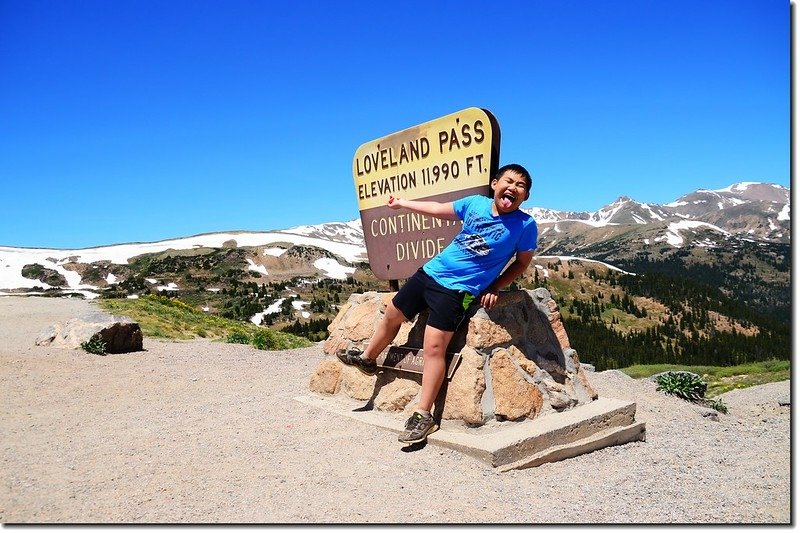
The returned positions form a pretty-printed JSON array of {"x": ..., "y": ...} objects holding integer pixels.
[
  {"x": 422, "y": 423},
  {"x": 406, "y": 304},
  {"x": 434, "y": 347},
  {"x": 385, "y": 332}
]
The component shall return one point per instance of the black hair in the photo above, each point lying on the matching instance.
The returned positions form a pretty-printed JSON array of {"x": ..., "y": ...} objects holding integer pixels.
[{"x": 518, "y": 169}]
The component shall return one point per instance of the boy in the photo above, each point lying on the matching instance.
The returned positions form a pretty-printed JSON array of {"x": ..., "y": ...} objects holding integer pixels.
[{"x": 469, "y": 268}]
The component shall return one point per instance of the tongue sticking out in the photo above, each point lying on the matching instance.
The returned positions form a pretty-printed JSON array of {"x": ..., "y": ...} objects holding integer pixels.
[{"x": 505, "y": 202}]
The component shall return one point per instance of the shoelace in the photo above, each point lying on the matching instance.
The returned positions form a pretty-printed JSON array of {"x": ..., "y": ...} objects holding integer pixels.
[{"x": 417, "y": 423}]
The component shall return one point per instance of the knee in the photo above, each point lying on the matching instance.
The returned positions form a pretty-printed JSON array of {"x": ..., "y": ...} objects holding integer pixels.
[
  {"x": 433, "y": 348},
  {"x": 436, "y": 341},
  {"x": 393, "y": 315}
]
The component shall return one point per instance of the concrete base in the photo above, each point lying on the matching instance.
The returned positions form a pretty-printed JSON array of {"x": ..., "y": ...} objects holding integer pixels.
[{"x": 514, "y": 445}]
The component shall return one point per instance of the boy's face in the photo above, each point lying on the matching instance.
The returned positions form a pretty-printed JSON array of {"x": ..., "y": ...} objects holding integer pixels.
[{"x": 510, "y": 190}]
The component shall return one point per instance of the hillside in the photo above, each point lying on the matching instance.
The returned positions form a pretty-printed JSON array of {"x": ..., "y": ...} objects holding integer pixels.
[{"x": 702, "y": 280}]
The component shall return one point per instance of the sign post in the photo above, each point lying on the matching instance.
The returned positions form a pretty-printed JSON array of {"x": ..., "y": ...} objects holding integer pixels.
[{"x": 441, "y": 160}]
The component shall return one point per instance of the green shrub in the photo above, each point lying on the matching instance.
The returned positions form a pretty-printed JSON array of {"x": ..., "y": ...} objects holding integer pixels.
[
  {"x": 685, "y": 385},
  {"x": 95, "y": 345},
  {"x": 690, "y": 387},
  {"x": 238, "y": 337},
  {"x": 717, "y": 405},
  {"x": 32, "y": 271},
  {"x": 264, "y": 339}
]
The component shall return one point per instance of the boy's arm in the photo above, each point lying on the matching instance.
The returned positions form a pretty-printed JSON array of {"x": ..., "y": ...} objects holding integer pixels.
[
  {"x": 514, "y": 270},
  {"x": 434, "y": 209}
]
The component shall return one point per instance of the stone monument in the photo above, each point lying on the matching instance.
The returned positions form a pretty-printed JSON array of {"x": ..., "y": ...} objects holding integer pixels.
[
  {"x": 515, "y": 395},
  {"x": 514, "y": 362}
]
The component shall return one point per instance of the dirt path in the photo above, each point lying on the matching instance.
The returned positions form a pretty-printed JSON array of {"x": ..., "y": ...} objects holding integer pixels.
[{"x": 209, "y": 432}]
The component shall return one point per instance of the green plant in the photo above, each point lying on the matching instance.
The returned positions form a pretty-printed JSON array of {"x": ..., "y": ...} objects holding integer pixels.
[
  {"x": 685, "y": 385},
  {"x": 238, "y": 337},
  {"x": 95, "y": 345},
  {"x": 717, "y": 405},
  {"x": 264, "y": 339}
]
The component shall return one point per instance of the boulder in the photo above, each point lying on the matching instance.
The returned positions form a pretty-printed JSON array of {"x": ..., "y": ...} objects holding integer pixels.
[
  {"x": 355, "y": 384},
  {"x": 465, "y": 391},
  {"x": 326, "y": 377},
  {"x": 514, "y": 396},
  {"x": 120, "y": 334},
  {"x": 396, "y": 394},
  {"x": 516, "y": 361}
]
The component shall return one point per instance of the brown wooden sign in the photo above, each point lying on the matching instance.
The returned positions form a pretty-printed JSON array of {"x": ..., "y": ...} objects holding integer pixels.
[
  {"x": 442, "y": 160},
  {"x": 410, "y": 359}
]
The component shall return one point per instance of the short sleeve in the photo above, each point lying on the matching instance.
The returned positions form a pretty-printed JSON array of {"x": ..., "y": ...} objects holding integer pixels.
[
  {"x": 461, "y": 206},
  {"x": 530, "y": 234}
]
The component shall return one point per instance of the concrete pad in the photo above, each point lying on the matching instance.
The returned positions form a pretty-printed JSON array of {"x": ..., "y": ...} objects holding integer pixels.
[
  {"x": 511, "y": 445},
  {"x": 602, "y": 439}
]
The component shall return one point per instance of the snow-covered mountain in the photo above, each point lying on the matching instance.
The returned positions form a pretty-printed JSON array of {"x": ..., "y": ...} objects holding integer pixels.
[
  {"x": 756, "y": 210},
  {"x": 67, "y": 267},
  {"x": 751, "y": 211}
]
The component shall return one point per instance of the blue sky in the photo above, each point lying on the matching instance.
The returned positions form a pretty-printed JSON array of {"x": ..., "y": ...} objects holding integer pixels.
[{"x": 143, "y": 120}]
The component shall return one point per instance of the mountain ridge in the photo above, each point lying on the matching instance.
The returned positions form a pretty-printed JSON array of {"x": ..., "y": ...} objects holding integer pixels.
[{"x": 706, "y": 218}]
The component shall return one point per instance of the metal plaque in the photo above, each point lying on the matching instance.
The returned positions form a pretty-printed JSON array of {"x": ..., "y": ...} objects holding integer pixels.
[
  {"x": 442, "y": 160},
  {"x": 410, "y": 359}
]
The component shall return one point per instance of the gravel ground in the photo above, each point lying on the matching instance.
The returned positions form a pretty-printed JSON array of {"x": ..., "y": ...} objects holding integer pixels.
[{"x": 207, "y": 432}]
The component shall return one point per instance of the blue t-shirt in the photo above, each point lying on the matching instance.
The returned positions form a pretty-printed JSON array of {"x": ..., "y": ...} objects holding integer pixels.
[{"x": 478, "y": 254}]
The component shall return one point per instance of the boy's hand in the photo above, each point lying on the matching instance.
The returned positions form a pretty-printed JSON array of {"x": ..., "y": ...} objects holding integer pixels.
[
  {"x": 394, "y": 203},
  {"x": 489, "y": 298}
]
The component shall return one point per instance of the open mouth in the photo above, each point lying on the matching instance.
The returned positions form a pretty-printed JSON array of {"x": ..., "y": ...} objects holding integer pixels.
[{"x": 507, "y": 199}]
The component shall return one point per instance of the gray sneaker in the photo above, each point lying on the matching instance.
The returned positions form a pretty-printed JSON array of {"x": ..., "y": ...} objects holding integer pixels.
[
  {"x": 418, "y": 427},
  {"x": 352, "y": 357}
]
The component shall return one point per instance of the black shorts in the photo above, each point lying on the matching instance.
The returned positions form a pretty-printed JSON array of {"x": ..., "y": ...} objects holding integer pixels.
[{"x": 448, "y": 307}]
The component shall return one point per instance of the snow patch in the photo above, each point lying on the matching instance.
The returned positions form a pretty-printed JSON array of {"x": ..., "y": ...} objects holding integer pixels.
[
  {"x": 273, "y": 309},
  {"x": 652, "y": 213},
  {"x": 737, "y": 187},
  {"x": 694, "y": 224},
  {"x": 673, "y": 236},
  {"x": 299, "y": 304},
  {"x": 275, "y": 252},
  {"x": 593, "y": 223},
  {"x": 256, "y": 268},
  {"x": 585, "y": 260},
  {"x": 332, "y": 268}
]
